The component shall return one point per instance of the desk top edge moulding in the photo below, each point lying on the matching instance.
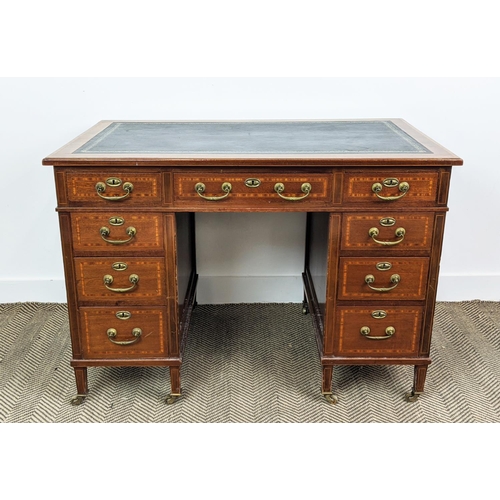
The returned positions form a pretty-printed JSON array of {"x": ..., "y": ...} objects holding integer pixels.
[
  {"x": 285, "y": 142},
  {"x": 375, "y": 194}
]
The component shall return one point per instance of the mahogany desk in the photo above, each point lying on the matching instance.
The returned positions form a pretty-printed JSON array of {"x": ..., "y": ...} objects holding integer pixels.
[{"x": 375, "y": 193}]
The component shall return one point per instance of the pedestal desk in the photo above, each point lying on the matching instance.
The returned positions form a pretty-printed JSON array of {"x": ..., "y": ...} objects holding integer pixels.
[{"x": 375, "y": 193}]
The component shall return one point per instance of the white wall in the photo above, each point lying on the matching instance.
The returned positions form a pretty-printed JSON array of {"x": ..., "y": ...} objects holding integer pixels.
[{"x": 38, "y": 115}]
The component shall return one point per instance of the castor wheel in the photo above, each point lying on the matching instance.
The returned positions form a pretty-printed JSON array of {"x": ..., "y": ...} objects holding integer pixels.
[
  {"x": 331, "y": 398},
  {"x": 78, "y": 400},
  {"x": 172, "y": 398},
  {"x": 305, "y": 308},
  {"x": 412, "y": 396}
]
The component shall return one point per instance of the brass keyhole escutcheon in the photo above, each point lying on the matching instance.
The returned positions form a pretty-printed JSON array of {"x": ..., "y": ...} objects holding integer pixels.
[
  {"x": 252, "y": 183},
  {"x": 116, "y": 221},
  {"x": 387, "y": 221},
  {"x": 123, "y": 315},
  {"x": 113, "y": 181},
  {"x": 383, "y": 266},
  {"x": 119, "y": 266},
  {"x": 390, "y": 182},
  {"x": 379, "y": 314}
]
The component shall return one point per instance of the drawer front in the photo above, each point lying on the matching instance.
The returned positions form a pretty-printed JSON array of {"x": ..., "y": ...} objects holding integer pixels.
[
  {"x": 396, "y": 189},
  {"x": 252, "y": 189},
  {"x": 378, "y": 331},
  {"x": 383, "y": 278},
  {"x": 115, "y": 232},
  {"x": 121, "y": 280},
  {"x": 114, "y": 189},
  {"x": 387, "y": 231},
  {"x": 123, "y": 332}
]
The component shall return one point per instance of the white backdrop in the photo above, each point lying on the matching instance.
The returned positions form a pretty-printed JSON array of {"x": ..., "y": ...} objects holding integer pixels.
[{"x": 38, "y": 115}]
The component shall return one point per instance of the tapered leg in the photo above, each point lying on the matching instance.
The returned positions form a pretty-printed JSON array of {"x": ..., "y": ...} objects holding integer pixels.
[
  {"x": 419, "y": 375},
  {"x": 175, "y": 384},
  {"x": 326, "y": 387},
  {"x": 81, "y": 386}
]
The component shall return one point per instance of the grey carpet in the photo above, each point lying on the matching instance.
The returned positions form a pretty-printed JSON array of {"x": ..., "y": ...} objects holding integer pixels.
[{"x": 250, "y": 363}]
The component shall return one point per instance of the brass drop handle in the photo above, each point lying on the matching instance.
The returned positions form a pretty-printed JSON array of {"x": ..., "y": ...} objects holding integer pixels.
[
  {"x": 136, "y": 333},
  {"x": 306, "y": 188},
  {"x": 399, "y": 233},
  {"x": 404, "y": 187},
  {"x": 100, "y": 187},
  {"x": 108, "y": 280},
  {"x": 131, "y": 231},
  {"x": 389, "y": 332},
  {"x": 200, "y": 189},
  {"x": 395, "y": 279}
]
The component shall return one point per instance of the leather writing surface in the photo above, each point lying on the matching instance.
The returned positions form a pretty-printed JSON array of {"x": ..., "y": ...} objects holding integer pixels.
[{"x": 315, "y": 137}]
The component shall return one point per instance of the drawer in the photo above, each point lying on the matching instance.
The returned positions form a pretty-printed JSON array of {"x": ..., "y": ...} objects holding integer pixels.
[
  {"x": 121, "y": 281},
  {"x": 114, "y": 188},
  {"x": 387, "y": 231},
  {"x": 382, "y": 278},
  {"x": 374, "y": 331},
  {"x": 395, "y": 188},
  {"x": 123, "y": 333},
  {"x": 251, "y": 189},
  {"x": 115, "y": 232}
]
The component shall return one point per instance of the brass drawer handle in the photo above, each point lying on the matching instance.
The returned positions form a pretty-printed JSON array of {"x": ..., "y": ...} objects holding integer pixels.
[
  {"x": 306, "y": 188},
  {"x": 399, "y": 233},
  {"x": 200, "y": 189},
  {"x": 404, "y": 187},
  {"x": 108, "y": 280},
  {"x": 136, "y": 332},
  {"x": 100, "y": 187},
  {"x": 389, "y": 332},
  {"x": 131, "y": 231},
  {"x": 395, "y": 279}
]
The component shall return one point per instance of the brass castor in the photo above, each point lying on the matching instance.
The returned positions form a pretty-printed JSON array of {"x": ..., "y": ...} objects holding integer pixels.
[
  {"x": 305, "y": 308},
  {"x": 172, "y": 398},
  {"x": 331, "y": 398},
  {"x": 412, "y": 396},
  {"x": 78, "y": 400}
]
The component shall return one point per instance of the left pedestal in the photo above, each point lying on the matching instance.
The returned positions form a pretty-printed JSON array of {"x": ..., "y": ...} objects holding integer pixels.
[{"x": 130, "y": 272}]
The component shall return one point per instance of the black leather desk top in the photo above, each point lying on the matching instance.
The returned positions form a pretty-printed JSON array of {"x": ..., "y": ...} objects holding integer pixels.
[{"x": 279, "y": 137}]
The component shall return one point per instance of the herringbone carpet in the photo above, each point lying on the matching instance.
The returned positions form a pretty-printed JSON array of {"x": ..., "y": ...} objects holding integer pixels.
[{"x": 250, "y": 363}]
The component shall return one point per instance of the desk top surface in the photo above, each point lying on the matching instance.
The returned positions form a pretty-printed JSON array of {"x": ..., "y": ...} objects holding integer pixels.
[{"x": 320, "y": 142}]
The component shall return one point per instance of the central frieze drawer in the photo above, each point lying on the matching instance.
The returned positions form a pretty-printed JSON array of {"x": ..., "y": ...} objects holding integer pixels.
[
  {"x": 123, "y": 333},
  {"x": 118, "y": 231},
  {"x": 387, "y": 231},
  {"x": 126, "y": 279},
  {"x": 393, "y": 331},
  {"x": 383, "y": 278},
  {"x": 285, "y": 190}
]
